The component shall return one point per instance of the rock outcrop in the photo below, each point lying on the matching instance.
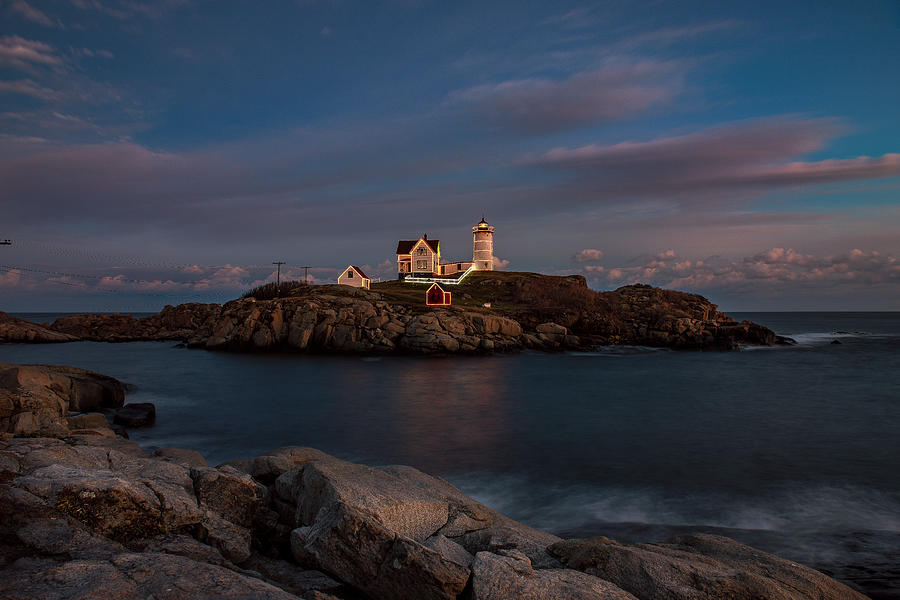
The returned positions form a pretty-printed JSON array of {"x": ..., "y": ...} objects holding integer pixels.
[
  {"x": 37, "y": 399},
  {"x": 96, "y": 516},
  {"x": 172, "y": 323},
  {"x": 18, "y": 330},
  {"x": 540, "y": 312}
]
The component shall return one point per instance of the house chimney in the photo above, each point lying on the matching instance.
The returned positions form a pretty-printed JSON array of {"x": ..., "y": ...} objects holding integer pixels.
[{"x": 424, "y": 236}]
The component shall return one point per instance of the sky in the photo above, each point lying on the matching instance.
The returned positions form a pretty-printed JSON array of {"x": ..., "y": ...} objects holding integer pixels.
[{"x": 162, "y": 152}]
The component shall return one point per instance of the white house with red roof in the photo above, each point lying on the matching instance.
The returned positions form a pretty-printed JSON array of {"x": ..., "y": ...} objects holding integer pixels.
[{"x": 354, "y": 276}]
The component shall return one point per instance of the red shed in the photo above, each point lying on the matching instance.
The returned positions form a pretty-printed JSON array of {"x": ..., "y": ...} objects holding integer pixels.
[{"x": 436, "y": 296}]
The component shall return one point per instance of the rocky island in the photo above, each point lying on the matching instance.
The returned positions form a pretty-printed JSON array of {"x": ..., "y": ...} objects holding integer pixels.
[
  {"x": 492, "y": 311},
  {"x": 89, "y": 514}
]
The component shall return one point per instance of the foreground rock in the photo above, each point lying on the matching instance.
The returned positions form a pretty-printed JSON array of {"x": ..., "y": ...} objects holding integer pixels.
[
  {"x": 696, "y": 567},
  {"x": 509, "y": 574},
  {"x": 542, "y": 313},
  {"x": 37, "y": 399},
  {"x": 95, "y": 516},
  {"x": 105, "y": 519}
]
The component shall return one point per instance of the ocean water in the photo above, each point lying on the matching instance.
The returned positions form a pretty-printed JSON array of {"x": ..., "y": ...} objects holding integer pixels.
[{"x": 794, "y": 450}]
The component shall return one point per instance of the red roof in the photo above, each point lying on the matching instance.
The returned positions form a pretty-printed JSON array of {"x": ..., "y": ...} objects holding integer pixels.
[
  {"x": 406, "y": 246},
  {"x": 360, "y": 271}
]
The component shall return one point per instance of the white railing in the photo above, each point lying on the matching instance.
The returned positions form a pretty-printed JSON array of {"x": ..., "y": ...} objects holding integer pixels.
[{"x": 442, "y": 280}]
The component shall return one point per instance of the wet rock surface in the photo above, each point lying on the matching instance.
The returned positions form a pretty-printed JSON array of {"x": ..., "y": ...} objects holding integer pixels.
[
  {"x": 136, "y": 414},
  {"x": 97, "y": 516}
]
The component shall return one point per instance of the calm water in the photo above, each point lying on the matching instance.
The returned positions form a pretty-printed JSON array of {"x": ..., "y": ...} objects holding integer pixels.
[{"x": 794, "y": 450}]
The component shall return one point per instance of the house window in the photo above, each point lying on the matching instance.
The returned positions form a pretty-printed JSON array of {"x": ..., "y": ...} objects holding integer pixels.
[
  {"x": 420, "y": 251},
  {"x": 421, "y": 264}
]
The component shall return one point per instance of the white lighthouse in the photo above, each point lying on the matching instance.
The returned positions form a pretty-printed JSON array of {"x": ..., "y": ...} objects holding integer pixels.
[{"x": 483, "y": 253}]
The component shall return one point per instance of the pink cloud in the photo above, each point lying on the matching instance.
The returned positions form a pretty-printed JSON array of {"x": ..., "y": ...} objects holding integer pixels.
[
  {"x": 22, "y": 54},
  {"x": 10, "y": 277},
  {"x": 747, "y": 156},
  {"x": 612, "y": 92},
  {"x": 588, "y": 255},
  {"x": 128, "y": 9},
  {"x": 667, "y": 255},
  {"x": 30, "y": 13},
  {"x": 27, "y": 88},
  {"x": 776, "y": 267}
]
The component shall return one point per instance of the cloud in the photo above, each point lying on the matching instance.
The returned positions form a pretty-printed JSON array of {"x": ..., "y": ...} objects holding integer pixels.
[
  {"x": 667, "y": 255},
  {"x": 500, "y": 264},
  {"x": 255, "y": 188},
  {"x": 667, "y": 36},
  {"x": 753, "y": 155},
  {"x": 30, "y": 13},
  {"x": 588, "y": 255},
  {"x": 19, "y": 53},
  {"x": 129, "y": 9},
  {"x": 538, "y": 106},
  {"x": 576, "y": 18},
  {"x": 27, "y": 88},
  {"x": 386, "y": 269},
  {"x": 79, "y": 52},
  {"x": 228, "y": 280},
  {"x": 265, "y": 191},
  {"x": 10, "y": 277},
  {"x": 775, "y": 270}
]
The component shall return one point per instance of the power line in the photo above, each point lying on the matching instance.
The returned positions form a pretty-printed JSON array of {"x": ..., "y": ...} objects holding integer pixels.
[{"x": 279, "y": 263}]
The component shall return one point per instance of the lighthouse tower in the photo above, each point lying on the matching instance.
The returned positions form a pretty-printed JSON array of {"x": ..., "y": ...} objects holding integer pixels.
[{"x": 483, "y": 254}]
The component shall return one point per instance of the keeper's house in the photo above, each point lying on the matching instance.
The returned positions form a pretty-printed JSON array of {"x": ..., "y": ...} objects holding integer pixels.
[
  {"x": 422, "y": 258},
  {"x": 418, "y": 257},
  {"x": 354, "y": 276}
]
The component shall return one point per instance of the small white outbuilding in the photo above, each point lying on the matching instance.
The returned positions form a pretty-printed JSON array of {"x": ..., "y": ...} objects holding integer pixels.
[{"x": 355, "y": 277}]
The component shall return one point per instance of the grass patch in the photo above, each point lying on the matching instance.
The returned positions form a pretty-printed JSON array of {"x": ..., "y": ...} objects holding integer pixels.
[{"x": 271, "y": 291}]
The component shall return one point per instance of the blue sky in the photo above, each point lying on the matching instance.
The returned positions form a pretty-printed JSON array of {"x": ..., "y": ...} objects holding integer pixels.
[{"x": 155, "y": 153}]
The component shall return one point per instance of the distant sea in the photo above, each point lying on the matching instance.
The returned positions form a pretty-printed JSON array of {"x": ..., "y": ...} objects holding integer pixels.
[{"x": 794, "y": 450}]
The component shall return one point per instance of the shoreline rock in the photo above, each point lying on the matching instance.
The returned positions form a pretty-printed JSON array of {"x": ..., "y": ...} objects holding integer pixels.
[
  {"x": 88, "y": 515},
  {"x": 19, "y": 330},
  {"x": 550, "y": 314},
  {"x": 38, "y": 399}
]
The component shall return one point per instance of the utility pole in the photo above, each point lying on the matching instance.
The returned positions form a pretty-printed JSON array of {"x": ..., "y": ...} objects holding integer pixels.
[
  {"x": 279, "y": 263},
  {"x": 306, "y": 275}
]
